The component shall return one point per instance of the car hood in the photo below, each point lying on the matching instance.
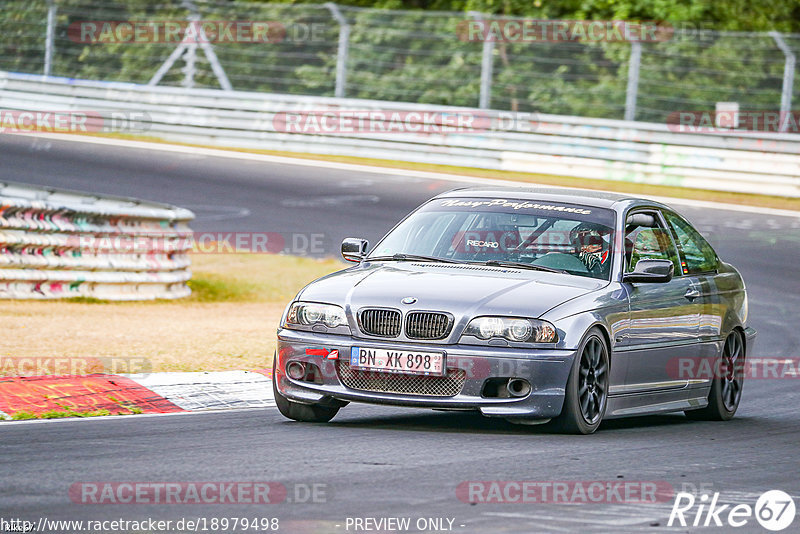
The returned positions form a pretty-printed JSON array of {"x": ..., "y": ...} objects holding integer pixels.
[{"x": 463, "y": 290}]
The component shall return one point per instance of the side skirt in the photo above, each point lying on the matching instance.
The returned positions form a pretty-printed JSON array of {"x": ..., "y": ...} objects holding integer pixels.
[{"x": 656, "y": 402}]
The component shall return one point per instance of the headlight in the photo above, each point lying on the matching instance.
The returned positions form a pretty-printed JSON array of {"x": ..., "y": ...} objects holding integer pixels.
[
  {"x": 512, "y": 329},
  {"x": 311, "y": 313}
]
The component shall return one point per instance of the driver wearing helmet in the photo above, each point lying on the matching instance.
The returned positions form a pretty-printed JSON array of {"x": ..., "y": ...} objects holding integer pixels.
[{"x": 591, "y": 245}]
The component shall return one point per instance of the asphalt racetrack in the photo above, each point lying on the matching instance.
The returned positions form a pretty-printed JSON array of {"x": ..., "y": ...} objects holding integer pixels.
[{"x": 376, "y": 462}]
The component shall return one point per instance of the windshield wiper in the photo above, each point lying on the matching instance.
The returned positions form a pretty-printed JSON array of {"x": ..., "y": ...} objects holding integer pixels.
[
  {"x": 411, "y": 257},
  {"x": 491, "y": 263},
  {"x": 521, "y": 265}
]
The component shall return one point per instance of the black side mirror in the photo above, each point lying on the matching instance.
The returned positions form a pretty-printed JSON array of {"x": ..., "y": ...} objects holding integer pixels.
[
  {"x": 354, "y": 249},
  {"x": 651, "y": 271}
]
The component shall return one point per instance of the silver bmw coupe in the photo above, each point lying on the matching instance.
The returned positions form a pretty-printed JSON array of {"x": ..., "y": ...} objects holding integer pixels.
[{"x": 534, "y": 305}]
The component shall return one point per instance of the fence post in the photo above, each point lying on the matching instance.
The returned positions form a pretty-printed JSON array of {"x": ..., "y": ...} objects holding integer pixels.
[
  {"x": 487, "y": 65},
  {"x": 632, "y": 90},
  {"x": 342, "y": 51},
  {"x": 49, "y": 43},
  {"x": 788, "y": 80}
]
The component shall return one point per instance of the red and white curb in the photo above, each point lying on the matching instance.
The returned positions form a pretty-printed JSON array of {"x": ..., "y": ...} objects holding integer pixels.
[
  {"x": 144, "y": 393},
  {"x": 211, "y": 391}
]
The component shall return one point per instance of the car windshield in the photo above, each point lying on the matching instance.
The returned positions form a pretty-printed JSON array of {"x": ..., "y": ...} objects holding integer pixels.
[{"x": 564, "y": 237}]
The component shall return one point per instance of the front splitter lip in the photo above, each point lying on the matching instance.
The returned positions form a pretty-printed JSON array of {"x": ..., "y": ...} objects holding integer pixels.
[{"x": 534, "y": 406}]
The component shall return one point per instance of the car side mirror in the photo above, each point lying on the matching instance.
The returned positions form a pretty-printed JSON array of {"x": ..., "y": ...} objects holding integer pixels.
[
  {"x": 354, "y": 249},
  {"x": 651, "y": 271}
]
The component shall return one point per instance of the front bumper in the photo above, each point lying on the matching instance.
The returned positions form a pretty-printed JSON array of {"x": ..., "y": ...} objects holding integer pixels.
[{"x": 546, "y": 370}]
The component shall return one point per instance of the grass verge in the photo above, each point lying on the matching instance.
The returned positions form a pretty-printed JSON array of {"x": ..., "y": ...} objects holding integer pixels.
[{"x": 23, "y": 415}]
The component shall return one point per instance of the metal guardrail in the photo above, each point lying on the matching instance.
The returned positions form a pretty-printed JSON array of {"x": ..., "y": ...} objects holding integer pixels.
[
  {"x": 748, "y": 162},
  {"x": 61, "y": 244}
]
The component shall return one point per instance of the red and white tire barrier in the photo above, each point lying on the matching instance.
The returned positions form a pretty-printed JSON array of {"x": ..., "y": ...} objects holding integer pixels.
[{"x": 61, "y": 244}]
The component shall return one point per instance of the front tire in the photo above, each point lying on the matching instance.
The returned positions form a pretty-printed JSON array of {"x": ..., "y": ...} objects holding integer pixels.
[
  {"x": 726, "y": 389},
  {"x": 586, "y": 394},
  {"x": 307, "y": 413}
]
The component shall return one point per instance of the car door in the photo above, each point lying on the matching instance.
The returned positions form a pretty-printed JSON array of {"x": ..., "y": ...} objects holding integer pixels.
[
  {"x": 663, "y": 317},
  {"x": 699, "y": 262}
]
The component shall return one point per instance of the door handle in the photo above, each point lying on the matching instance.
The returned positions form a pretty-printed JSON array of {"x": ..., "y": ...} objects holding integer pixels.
[{"x": 691, "y": 293}]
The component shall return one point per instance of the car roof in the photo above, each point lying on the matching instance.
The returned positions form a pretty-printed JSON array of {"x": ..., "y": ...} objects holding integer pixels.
[{"x": 599, "y": 199}]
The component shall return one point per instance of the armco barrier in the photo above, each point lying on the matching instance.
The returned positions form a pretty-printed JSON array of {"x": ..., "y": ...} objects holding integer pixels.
[
  {"x": 59, "y": 244},
  {"x": 749, "y": 162}
]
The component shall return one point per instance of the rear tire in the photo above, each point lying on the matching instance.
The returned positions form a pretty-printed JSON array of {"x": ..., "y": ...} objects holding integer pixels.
[
  {"x": 726, "y": 391},
  {"x": 307, "y": 413},
  {"x": 586, "y": 394}
]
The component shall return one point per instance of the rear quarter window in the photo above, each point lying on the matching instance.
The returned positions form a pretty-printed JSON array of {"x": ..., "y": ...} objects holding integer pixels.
[{"x": 697, "y": 254}]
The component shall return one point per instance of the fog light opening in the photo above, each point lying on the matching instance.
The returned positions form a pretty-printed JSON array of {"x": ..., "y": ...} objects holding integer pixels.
[
  {"x": 518, "y": 387},
  {"x": 296, "y": 370}
]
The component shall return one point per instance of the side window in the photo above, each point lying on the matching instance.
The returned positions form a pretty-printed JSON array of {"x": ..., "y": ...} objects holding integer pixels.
[
  {"x": 651, "y": 243},
  {"x": 698, "y": 255}
]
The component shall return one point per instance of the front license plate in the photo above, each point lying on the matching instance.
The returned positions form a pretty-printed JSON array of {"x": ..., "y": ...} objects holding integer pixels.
[{"x": 397, "y": 361}]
